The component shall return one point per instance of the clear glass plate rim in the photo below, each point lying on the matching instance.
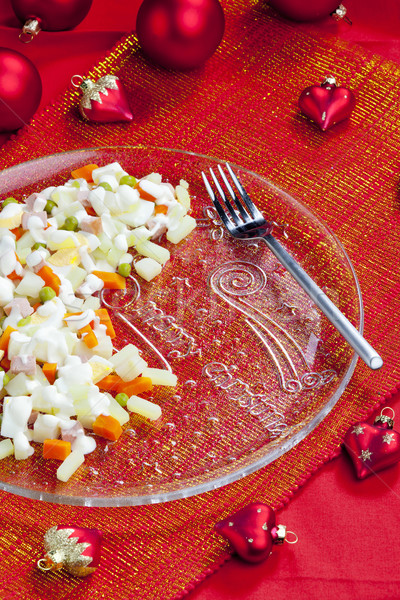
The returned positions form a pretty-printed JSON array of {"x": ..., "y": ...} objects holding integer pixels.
[{"x": 234, "y": 475}]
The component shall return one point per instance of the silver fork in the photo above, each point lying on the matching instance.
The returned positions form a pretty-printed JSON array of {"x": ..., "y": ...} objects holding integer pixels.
[{"x": 243, "y": 220}]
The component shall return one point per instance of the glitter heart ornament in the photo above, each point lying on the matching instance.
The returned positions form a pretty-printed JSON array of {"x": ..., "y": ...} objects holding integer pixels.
[
  {"x": 326, "y": 104},
  {"x": 252, "y": 531},
  {"x": 75, "y": 549},
  {"x": 103, "y": 101},
  {"x": 373, "y": 447}
]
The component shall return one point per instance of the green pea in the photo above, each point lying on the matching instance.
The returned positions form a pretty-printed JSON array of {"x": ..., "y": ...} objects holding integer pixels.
[
  {"x": 9, "y": 200},
  {"x": 6, "y": 379},
  {"x": 46, "y": 293},
  {"x": 106, "y": 186},
  {"x": 23, "y": 322},
  {"x": 38, "y": 245},
  {"x": 128, "y": 180},
  {"x": 122, "y": 399},
  {"x": 70, "y": 224},
  {"x": 124, "y": 269},
  {"x": 49, "y": 206},
  {"x": 2, "y": 319}
]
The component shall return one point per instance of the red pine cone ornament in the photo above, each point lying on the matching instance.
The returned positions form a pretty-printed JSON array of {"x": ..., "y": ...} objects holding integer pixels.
[
  {"x": 103, "y": 101},
  {"x": 75, "y": 549},
  {"x": 252, "y": 532},
  {"x": 326, "y": 104},
  {"x": 49, "y": 15},
  {"x": 373, "y": 447}
]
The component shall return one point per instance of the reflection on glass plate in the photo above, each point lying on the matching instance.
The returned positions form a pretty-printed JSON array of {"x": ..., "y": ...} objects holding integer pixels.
[{"x": 258, "y": 366}]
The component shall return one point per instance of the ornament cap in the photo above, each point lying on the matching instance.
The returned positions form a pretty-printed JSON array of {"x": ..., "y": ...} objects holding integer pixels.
[
  {"x": 278, "y": 534},
  {"x": 29, "y": 31},
  {"x": 329, "y": 80},
  {"x": 386, "y": 420},
  {"x": 341, "y": 14}
]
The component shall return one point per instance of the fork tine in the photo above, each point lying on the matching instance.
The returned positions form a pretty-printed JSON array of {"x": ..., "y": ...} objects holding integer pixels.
[
  {"x": 232, "y": 194},
  {"x": 224, "y": 198},
  {"x": 223, "y": 216},
  {"x": 255, "y": 213}
]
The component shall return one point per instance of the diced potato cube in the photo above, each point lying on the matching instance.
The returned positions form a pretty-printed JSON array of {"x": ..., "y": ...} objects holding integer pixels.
[
  {"x": 148, "y": 268},
  {"x": 160, "y": 376},
  {"x": 154, "y": 177},
  {"x": 183, "y": 229},
  {"x": 46, "y": 427},
  {"x": 22, "y": 448},
  {"x": 144, "y": 407},
  {"x": 183, "y": 196},
  {"x": 139, "y": 214},
  {"x": 6, "y": 448},
  {"x": 30, "y": 285},
  {"x": 127, "y": 363},
  {"x": 70, "y": 465},
  {"x": 117, "y": 411},
  {"x": 92, "y": 303},
  {"x": 154, "y": 251},
  {"x": 76, "y": 275}
]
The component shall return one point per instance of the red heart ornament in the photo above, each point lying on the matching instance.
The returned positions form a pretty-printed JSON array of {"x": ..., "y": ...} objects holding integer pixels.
[
  {"x": 252, "y": 531},
  {"x": 372, "y": 447},
  {"x": 103, "y": 101},
  {"x": 75, "y": 549},
  {"x": 326, "y": 104}
]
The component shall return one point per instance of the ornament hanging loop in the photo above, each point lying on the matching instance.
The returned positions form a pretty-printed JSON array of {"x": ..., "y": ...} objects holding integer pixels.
[
  {"x": 43, "y": 565},
  {"x": 291, "y": 537},
  {"x": 388, "y": 408},
  {"x": 29, "y": 31},
  {"x": 77, "y": 80}
]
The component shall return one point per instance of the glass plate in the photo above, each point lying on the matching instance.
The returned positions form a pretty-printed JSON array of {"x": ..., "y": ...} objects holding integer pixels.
[{"x": 258, "y": 366}]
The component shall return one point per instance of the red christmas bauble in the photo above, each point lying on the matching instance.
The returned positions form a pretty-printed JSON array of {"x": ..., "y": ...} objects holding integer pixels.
[
  {"x": 373, "y": 447},
  {"x": 305, "y": 10},
  {"x": 50, "y": 15},
  {"x": 180, "y": 34},
  {"x": 326, "y": 104},
  {"x": 252, "y": 531},
  {"x": 103, "y": 101},
  {"x": 20, "y": 89}
]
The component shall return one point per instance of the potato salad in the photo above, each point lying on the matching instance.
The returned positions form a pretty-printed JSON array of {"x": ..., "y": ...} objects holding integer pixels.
[{"x": 62, "y": 382}]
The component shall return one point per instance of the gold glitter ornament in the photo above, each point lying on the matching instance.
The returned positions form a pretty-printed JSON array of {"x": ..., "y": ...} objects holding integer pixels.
[
  {"x": 75, "y": 549},
  {"x": 103, "y": 101}
]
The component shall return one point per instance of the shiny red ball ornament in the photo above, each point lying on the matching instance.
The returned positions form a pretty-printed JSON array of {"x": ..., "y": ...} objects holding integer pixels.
[
  {"x": 326, "y": 104},
  {"x": 20, "y": 90},
  {"x": 252, "y": 531},
  {"x": 103, "y": 101},
  {"x": 373, "y": 447},
  {"x": 306, "y": 10},
  {"x": 75, "y": 549},
  {"x": 49, "y": 15},
  {"x": 180, "y": 34}
]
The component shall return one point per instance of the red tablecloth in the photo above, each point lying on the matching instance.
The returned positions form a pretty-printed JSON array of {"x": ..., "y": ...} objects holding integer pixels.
[{"x": 348, "y": 543}]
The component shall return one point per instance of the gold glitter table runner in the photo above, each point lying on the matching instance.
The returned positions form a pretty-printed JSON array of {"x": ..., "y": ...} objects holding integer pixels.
[{"x": 242, "y": 107}]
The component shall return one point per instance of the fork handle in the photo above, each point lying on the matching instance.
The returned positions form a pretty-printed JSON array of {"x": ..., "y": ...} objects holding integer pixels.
[{"x": 342, "y": 324}]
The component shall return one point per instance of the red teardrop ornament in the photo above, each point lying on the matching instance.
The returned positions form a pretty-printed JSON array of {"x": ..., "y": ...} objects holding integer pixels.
[
  {"x": 372, "y": 447},
  {"x": 103, "y": 101},
  {"x": 75, "y": 549},
  {"x": 326, "y": 104},
  {"x": 252, "y": 531}
]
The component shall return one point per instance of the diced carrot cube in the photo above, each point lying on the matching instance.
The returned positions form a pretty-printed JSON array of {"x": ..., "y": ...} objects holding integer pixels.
[
  {"x": 50, "y": 278},
  {"x": 88, "y": 336},
  {"x": 108, "y": 427},
  {"x": 112, "y": 281},
  {"x": 137, "y": 386},
  {"x": 58, "y": 449},
  {"x": 5, "y": 337},
  {"x": 84, "y": 172},
  {"x": 50, "y": 371}
]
